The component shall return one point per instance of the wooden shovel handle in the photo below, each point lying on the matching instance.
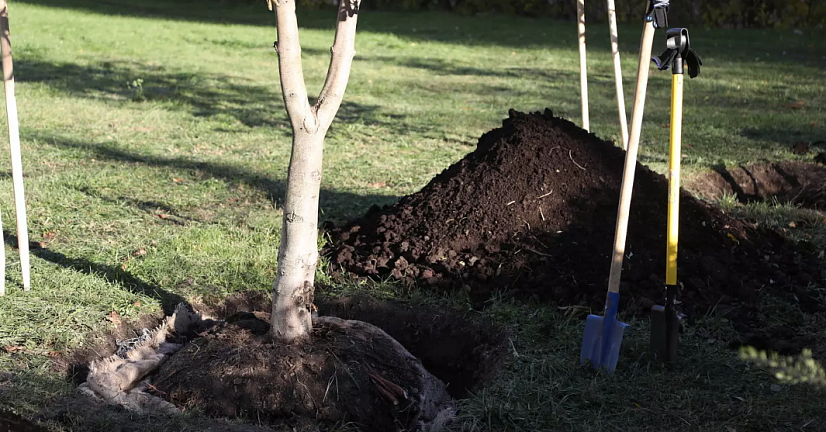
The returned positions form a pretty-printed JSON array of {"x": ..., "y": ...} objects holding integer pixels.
[{"x": 631, "y": 158}]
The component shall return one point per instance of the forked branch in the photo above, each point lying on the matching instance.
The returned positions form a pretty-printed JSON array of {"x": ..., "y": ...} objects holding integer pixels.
[{"x": 303, "y": 117}]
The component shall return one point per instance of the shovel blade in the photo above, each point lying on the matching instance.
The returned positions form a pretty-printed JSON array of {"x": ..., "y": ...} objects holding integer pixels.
[{"x": 594, "y": 343}]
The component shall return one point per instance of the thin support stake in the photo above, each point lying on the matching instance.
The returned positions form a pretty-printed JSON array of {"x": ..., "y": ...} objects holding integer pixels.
[
  {"x": 623, "y": 118},
  {"x": 583, "y": 72},
  {"x": 14, "y": 145}
]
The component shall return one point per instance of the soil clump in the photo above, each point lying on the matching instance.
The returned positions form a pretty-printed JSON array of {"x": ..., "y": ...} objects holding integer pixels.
[{"x": 531, "y": 213}]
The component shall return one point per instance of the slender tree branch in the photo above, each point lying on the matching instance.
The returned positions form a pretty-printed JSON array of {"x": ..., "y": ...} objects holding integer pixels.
[
  {"x": 302, "y": 117},
  {"x": 341, "y": 60}
]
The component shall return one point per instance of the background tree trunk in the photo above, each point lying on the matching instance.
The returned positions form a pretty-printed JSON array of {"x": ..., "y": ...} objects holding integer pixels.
[{"x": 298, "y": 252}]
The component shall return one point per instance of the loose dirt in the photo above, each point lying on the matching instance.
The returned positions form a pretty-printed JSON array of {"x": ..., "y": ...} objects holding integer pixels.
[
  {"x": 462, "y": 350},
  {"x": 792, "y": 182},
  {"x": 531, "y": 213},
  {"x": 348, "y": 371}
]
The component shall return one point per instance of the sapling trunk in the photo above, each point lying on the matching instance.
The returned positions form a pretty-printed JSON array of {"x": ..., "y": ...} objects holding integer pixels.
[{"x": 298, "y": 253}]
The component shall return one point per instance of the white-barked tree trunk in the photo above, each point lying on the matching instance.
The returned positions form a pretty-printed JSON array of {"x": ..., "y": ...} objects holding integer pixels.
[{"x": 298, "y": 252}]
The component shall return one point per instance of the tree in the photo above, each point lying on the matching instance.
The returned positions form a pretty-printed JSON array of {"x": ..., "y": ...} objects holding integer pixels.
[{"x": 298, "y": 253}]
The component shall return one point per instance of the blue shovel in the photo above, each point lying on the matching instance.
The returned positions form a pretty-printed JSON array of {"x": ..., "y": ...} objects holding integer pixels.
[{"x": 603, "y": 334}]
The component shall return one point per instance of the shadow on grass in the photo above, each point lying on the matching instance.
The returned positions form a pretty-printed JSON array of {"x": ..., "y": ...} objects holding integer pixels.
[
  {"x": 215, "y": 96},
  {"x": 152, "y": 207},
  {"x": 787, "y": 135},
  {"x": 203, "y": 95},
  {"x": 336, "y": 205},
  {"x": 210, "y": 11},
  {"x": 112, "y": 274},
  {"x": 442, "y": 66}
]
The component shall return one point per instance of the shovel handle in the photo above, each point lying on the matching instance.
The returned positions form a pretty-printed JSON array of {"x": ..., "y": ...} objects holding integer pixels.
[
  {"x": 583, "y": 72},
  {"x": 631, "y": 157}
]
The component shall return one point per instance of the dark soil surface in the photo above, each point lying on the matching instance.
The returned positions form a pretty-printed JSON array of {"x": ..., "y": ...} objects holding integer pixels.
[
  {"x": 11, "y": 422},
  {"x": 342, "y": 374},
  {"x": 459, "y": 349},
  {"x": 462, "y": 351},
  {"x": 793, "y": 182},
  {"x": 531, "y": 213}
]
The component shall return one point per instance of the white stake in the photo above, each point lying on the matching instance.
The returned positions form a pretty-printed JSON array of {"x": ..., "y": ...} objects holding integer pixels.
[
  {"x": 583, "y": 73},
  {"x": 612, "y": 22},
  {"x": 14, "y": 146}
]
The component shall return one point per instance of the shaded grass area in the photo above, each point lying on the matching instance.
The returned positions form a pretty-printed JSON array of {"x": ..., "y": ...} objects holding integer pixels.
[
  {"x": 156, "y": 146},
  {"x": 709, "y": 389}
]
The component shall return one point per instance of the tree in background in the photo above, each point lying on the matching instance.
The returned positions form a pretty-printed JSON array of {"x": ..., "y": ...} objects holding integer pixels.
[{"x": 298, "y": 253}]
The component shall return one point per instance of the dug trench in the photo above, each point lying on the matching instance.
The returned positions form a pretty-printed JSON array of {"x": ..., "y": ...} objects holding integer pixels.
[
  {"x": 791, "y": 182},
  {"x": 229, "y": 369},
  {"x": 531, "y": 213}
]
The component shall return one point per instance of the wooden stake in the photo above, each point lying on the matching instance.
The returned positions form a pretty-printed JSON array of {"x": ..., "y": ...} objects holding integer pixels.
[
  {"x": 14, "y": 146},
  {"x": 583, "y": 72},
  {"x": 612, "y": 22}
]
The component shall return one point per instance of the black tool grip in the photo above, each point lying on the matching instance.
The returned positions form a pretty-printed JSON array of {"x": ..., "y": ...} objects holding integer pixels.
[
  {"x": 657, "y": 12},
  {"x": 678, "y": 53}
]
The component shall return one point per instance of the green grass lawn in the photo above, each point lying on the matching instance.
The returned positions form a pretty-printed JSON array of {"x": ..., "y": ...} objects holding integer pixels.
[{"x": 156, "y": 143}]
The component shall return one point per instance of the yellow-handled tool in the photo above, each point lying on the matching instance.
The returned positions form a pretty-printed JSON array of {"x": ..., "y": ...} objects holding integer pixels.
[{"x": 664, "y": 319}]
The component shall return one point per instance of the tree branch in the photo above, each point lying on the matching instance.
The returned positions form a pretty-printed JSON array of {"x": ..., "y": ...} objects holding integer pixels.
[
  {"x": 302, "y": 117},
  {"x": 341, "y": 60}
]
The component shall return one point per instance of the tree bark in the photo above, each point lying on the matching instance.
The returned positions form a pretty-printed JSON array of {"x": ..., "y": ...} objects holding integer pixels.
[{"x": 298, "y": 253}]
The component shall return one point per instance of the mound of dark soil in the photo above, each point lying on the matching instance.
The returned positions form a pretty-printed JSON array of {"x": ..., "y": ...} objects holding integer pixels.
[
  {"x": 348, "y": 371},
  {"x": 793, "y": 182},
  {"x": 532, "y": 211}
]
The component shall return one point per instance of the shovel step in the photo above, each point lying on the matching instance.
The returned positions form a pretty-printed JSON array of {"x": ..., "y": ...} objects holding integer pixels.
[{"x": 593, "y": 343}]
